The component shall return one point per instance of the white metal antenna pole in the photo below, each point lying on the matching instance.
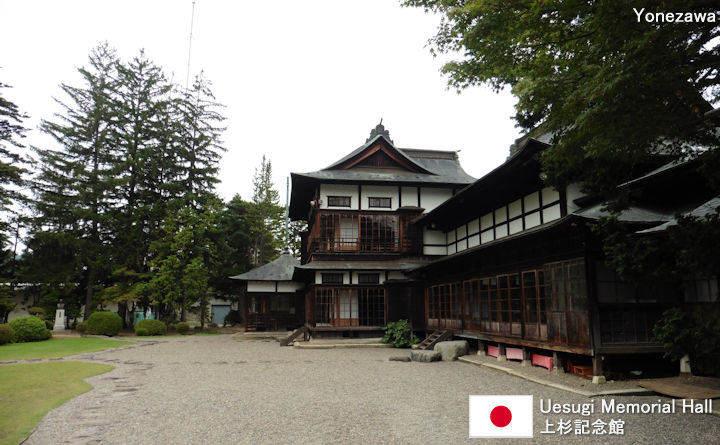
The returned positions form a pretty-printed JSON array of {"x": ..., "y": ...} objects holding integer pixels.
[
  {"x": 192, "y": 22},
  {"x": 287, "y": 210}
]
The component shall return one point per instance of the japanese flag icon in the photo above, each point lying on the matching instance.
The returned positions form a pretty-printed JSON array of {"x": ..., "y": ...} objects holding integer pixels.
[{"x": 501, "y": 416}]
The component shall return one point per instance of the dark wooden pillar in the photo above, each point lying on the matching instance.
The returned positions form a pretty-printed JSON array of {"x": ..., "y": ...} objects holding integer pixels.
[
  {"x": 598, "y": 376},
  {"x": 526, "y": 360}
]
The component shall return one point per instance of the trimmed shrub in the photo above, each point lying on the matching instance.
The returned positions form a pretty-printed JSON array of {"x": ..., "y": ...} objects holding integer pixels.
[
  {"x": 36, "y": 310},
  {"x": 104, "y": 323},
  {"x": 141, "y": 332},
  {"x": 183, "y": 328},
  {"x": 6, "y": 333},
  {"x": 232, "y": 318},
  {"x": 49, "y": 324},
  {"x": 29, "y": 328},
  {"x": 81, "y": 327},
  {"x": 154, "y": 327}
]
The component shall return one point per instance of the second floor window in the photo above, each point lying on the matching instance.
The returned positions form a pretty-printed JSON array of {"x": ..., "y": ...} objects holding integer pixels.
[
  {"x": 368, "y": 278},
  {"x": 332, "y": 278},
  {"x": 381, "y": 203},
  {"x": 338, "y": 201}
]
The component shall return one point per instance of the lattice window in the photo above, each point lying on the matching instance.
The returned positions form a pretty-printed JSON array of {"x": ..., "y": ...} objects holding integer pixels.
[
  {"x": 368, "y": 278},
  {"x": 332, "y": 278},
  {"x": 338, "y": 201},
  {"x": 371, "y": 306},
  {"x": 381, "y": 203}
]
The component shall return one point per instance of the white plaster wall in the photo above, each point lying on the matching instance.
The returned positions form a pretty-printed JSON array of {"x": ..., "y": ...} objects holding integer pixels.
[
  {"x": 433, "y": 197},
  {"x": 318, "y": 276},
  {"x": 395, "y": 275},
  {"x": 551, "y": 213},
  {"x": 516, "y": 226},
  {"x": 532, "y": 201},
  {"x": 474, "y": 240},
  {"x": 515, "y": 208},
  {"x": 473, "y": 226},
  {"x": 435, "y": 250},
  {"x": 487, "y": 236},
  {"x": 376, "y": 191},
  {"x": 500, "y": 215},
  {"x": 433, "y": 237},
  {"x": 486, "y": 221},
  {"x": 261, "y": 286},
  {"x": 532, "y": 220},
  {"x": 409, "y": 196},
  {"x": 501, "y": 231},
  {"x": 289, "y": 286},
  {"x": 573, "y": 192},
  {"x": 549, "y": 195},
  {"x": 339, "y": 190}
]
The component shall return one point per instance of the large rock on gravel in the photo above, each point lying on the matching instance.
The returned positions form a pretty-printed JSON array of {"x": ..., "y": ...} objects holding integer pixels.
[
  {"x": 451, "y": 350},
  {"x": 422, "y": 355}
]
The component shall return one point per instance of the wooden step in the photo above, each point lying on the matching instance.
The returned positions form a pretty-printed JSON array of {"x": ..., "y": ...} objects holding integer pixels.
[
  {"x": 434, "y": 338},
  {"x": 295, "y": 334}
]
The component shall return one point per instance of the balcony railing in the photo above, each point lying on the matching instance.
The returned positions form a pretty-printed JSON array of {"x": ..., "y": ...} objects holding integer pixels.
[{"x": 363, "y": 232}]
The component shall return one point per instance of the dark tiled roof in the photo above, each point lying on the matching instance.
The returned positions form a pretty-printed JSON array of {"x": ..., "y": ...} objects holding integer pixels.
[
  {"x": 443, "y": 168},
  {"x": 361, "y": 265},
  {"x": 280, "y": 269},
  {"x": 632, "y": 214},
  {"x": 703, "y": 211}
]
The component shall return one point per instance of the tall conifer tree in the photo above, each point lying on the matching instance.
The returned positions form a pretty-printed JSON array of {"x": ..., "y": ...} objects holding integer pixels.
[{"x": 77, "y": 187}]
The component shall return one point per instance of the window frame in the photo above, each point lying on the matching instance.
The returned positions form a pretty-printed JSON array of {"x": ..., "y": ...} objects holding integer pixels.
[
  {"x": 325, "y": 277},
  {"x": 338, "y": 198},
  {"x": 379, "y": 199},
  {"x": 362, "y": 278}
]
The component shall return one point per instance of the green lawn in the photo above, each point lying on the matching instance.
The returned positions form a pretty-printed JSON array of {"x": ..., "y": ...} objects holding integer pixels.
[
  {"x": 60, "y": 347},
  {"x": 29, "y": 390}
]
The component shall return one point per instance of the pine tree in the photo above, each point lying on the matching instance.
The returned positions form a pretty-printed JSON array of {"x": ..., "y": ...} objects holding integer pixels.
[
  {"x": 197, "y": 144},
  {"x": 266, "y": 216},
  {"x": 12, "y": 178},
  {"x": 142, "y": 101},
  {"x": 77, "y": 186},
  {"x": 11, "y": 170}
]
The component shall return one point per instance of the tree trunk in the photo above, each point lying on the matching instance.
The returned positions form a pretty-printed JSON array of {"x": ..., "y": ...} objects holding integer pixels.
[{"x": 90, "y": 292}]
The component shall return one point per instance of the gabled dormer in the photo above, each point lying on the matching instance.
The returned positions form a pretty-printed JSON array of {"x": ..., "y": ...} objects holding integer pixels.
[
  {"x": 379, "y": 176},
  {"x": 379, "y": 154}
]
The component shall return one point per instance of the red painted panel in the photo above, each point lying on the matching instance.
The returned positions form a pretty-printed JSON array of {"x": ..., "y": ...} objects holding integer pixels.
[
  {"x": 493, "y": 351},
  {"x": 514, "y": 353},
  {"x": 542, "y": 360}
]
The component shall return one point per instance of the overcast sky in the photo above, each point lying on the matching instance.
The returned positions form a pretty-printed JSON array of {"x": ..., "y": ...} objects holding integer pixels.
[{"x": 302, "y": 82}]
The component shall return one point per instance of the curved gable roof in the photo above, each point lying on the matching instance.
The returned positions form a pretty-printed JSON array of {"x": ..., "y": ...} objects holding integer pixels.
[{"x": 280, "y": 269}]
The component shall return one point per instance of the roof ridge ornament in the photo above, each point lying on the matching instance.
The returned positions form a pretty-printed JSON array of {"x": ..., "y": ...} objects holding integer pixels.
[{"x": 379, "y": 130}]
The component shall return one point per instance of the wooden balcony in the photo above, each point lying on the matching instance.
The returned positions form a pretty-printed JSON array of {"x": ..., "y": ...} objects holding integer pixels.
[{"x": 364, "y": 232}]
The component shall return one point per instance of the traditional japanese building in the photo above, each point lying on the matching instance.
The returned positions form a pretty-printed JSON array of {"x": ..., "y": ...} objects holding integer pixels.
[
  {"x": 273, "y": 301},
  {"x": 525, "y": 275},
  {"x": 361, "y": 240}
]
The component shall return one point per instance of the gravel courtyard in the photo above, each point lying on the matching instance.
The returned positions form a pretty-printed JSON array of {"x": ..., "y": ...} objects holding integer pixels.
[{"x": 214, "y": 389}]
